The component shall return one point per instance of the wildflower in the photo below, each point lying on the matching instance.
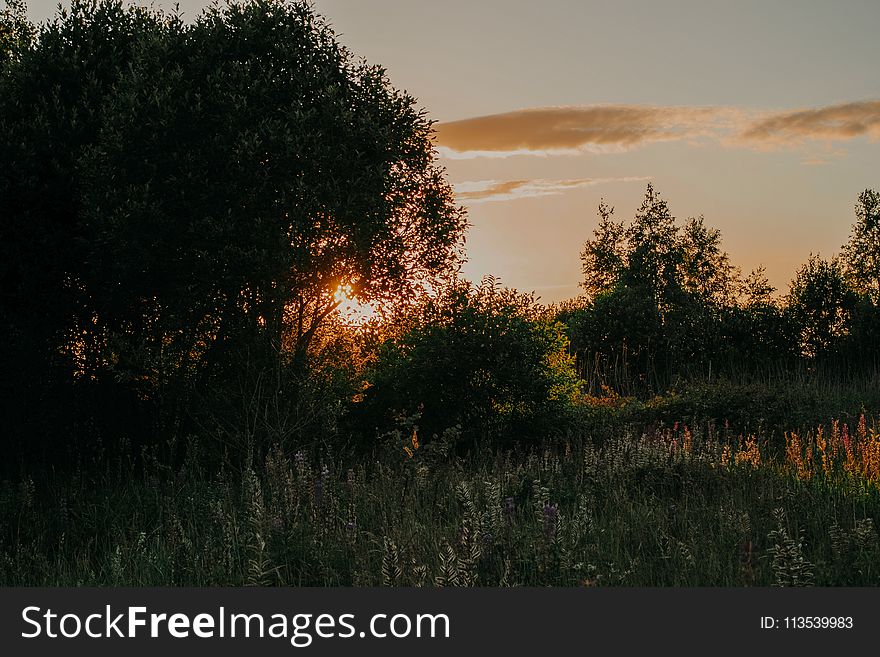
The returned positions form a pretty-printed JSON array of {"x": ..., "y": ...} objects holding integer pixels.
[
  {"x": 320, "y": 484},
  {"x": 550, "y": 519},
  {"x": 509, "y": 509},
  {"x": 825, "y": 448},
  {"x": 300, "y": 460},
  {"x": 794, "y": 455},
  {"x": 834, "y": 440},
  {"x": 850, "y": 466},
  {"x": 748, "y": 453}
]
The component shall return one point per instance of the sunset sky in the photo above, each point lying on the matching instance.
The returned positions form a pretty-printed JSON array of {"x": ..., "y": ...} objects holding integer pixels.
[{"x": 762, "y": 116}]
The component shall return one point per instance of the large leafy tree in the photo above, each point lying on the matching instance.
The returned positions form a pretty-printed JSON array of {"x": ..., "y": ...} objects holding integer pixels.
[
  {"x": 280, "y": 169},
  {"x": 54, "y": 83},
  {"x": 191, "y": 183},
  {"x": 173, "y": 193}
]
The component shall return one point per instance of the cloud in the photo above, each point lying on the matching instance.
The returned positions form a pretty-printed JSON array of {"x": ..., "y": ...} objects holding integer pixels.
[
  {"x": 484, "y": 191},
  {"x": 616, "y": 128},
  {"x": 833, "y": 123},
  {"x": 600, "y": 128}
]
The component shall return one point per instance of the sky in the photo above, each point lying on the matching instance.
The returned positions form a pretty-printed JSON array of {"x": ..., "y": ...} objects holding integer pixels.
[{"x": 764, "y": 117}]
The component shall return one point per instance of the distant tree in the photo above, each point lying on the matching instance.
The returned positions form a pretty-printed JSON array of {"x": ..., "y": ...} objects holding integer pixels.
[
  {"x": 821, "y": 302},
  {"x": 861, "y": 254},
  {"x": 654, "y": 256},
  {"x": 604, "y": 257},
  {"x": 757, "y": 290},
  {"x": 616, "y": 339},
  {"x": 707, "y": 272},
  {"x": 655, "y": 292},
  {"x": 758, "y": 330}
]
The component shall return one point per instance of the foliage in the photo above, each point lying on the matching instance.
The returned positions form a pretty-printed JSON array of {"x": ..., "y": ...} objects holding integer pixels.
[
  {"x": 477, "y": 356},
  {"x": 176, "y": 197},
  {"x": 664, "y": 303},
  {"x": 821, "y": 303},
  {"x": 16, "y": 32},
  {"x": 861, "y": 254}
]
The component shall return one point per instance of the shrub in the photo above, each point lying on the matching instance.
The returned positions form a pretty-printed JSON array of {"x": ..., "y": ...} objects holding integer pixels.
[{"x": 481, "y": 357}]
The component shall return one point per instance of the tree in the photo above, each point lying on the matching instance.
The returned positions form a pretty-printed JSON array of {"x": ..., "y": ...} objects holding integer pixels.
[
  {"x": 52, "y": 91},
  {"x": 653, "y": 256},
  {"x": 16, "y": 31},
  {"x": 172, "y": 192},
  {"x": 821, "y": 302},
  {"x": 707, "y": 272},
  {"x": 656, "y": 292},
  {"x": 757, "y": 289},
  {"x": 604, "y": 257},
  {"x": 281, "y": 170},
  {"x": 861, "y": 254}
]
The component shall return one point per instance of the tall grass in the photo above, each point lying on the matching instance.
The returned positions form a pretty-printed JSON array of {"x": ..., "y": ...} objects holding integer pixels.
[{"x": 669, "y": 507}]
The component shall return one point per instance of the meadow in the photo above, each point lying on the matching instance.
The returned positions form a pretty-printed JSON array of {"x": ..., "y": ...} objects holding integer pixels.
[{"x": 670, "y": 506}]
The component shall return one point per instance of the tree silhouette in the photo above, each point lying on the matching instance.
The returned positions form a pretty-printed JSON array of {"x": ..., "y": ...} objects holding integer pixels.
[
  {"x": 821, "y": 301},
  {"x": 174, "y": 192},
  {"x": 603, "y": 257},
  {"x": 861, "y": 254}
]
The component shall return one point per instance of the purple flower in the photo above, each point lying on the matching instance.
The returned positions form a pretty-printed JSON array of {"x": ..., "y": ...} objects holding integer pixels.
[
  {"x": 551, "y": 517},
  {"x": 509, "y": 509}
]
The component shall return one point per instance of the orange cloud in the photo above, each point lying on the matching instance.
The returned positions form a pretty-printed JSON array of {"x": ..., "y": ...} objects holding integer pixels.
[
  {"x": 484, "y": 191},
  {"x": 573, "y": 129},
  {"x": 614, "y": 128},
  {"x": 835, "y": 122}
]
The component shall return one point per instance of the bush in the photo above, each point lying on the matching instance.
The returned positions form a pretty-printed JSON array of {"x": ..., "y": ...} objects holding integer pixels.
[{"x": 481, "y": 357}]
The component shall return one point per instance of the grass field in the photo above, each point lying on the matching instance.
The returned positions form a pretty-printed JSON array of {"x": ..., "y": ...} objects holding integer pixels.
[{"x": 672, "y": 506}]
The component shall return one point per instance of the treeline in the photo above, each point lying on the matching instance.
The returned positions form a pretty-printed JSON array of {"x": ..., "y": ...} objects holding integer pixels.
[{"x": 663, "y": 302}]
